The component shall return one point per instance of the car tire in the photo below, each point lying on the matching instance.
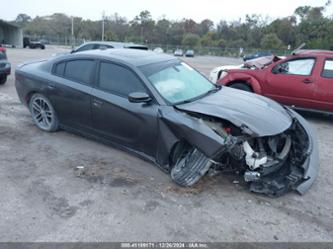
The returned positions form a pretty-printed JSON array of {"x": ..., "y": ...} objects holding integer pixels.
[
  {"x": 241, "y": 86},
  {"x": 190, "y": 166},
  {"x": 3, "y": 80},
  {"x": 43, "y": 113}
]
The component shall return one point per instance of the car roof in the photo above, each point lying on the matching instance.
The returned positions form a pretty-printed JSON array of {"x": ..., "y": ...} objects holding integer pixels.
[
  {"x": 314, "y": 52},
  {"x": 115, "y": 44},
  {"x": 130, "y": 56}
]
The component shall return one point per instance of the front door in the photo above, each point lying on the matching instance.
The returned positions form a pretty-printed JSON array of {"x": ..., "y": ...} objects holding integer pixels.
[
  {"x": 133, "y": 125},
  {"x": 292, "y": 82}
]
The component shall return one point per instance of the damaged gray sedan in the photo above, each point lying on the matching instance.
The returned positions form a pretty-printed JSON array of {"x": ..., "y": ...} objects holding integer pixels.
[{"x": 163, "y": 110}]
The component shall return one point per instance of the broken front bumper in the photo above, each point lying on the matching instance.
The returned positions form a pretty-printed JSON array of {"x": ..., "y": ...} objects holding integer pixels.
[{"x": 311, "y": 164}]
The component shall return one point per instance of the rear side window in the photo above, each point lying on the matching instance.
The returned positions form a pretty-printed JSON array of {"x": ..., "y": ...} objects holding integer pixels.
[
  {"x": 118, "y": 79},
  {"x": 328, "y": 69},
  {"x": 79, "y": 70},
  {"x": 59, "y": 69}
]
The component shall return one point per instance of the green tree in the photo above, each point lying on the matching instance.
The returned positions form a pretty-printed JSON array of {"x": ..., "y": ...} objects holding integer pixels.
[
  {"x": 22, "y": 20},
  {"x": 162, "y": 31},
  {"x": 209, "y": 39},
  {"x": 285, "y": 29},
  {"x": 205, "y": 26},
  {"x": 271, "y": 41},
  {"x": 142, "y": 25},
  {"x": 191, "y": 40}
]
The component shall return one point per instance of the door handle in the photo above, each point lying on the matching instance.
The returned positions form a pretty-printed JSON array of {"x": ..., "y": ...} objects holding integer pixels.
[
  {"x": 97, "y": 103},
  {"x": 307, "y": 81}
]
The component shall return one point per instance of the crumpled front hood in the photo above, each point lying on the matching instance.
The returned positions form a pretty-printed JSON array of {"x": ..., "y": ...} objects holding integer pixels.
[{"x": 261, "y": 115}]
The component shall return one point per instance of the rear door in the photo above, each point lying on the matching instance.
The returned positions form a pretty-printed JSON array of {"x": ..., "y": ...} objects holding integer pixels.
[
  {"x": 133, "y": 125},
  {"x": 70, "y": 91},
  {"x": 292, "y": 82}
]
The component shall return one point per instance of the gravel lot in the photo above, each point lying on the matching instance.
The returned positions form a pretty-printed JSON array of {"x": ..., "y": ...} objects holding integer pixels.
[{"x": 119, "y": 197}]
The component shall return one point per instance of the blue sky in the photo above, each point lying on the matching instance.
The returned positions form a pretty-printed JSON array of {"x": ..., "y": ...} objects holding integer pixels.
[{"x": 230, "y": 10}]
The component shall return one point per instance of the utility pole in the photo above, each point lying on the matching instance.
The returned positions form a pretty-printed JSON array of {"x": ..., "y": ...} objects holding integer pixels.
[
  {"x": 103, "y": 17},
  {"x": 73, "y": 42}
]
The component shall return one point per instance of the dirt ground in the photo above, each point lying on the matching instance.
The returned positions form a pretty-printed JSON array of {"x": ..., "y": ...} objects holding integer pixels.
[{"x": 118, "y": 197}]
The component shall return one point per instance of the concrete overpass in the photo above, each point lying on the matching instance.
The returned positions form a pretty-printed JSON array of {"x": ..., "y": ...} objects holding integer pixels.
[{"x": 10, "y": 34}]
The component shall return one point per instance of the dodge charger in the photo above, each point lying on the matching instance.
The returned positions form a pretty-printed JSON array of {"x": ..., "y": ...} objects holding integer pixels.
[{"x": 161, "y": 109}]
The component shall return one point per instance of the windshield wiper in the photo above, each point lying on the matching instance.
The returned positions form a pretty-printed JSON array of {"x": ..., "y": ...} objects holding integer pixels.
[{"x": 213, "y": 90}]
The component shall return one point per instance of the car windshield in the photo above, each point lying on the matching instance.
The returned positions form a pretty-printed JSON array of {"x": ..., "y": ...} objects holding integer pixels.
[{"x": 178, "y": 82}]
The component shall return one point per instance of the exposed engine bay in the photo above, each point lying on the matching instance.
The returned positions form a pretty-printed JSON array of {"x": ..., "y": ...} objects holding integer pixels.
[{"x": 270, "y": 164}]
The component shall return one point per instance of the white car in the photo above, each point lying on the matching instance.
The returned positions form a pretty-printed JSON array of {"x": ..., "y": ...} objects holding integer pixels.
[
  {"x": 219, "y": 72},
  {"x": 158, "y": 50}
]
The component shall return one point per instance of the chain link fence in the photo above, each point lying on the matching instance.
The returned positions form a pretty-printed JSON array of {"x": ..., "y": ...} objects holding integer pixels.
[
  {"x": 168, "y": 48},
  {"x": 217, "y": 51}
]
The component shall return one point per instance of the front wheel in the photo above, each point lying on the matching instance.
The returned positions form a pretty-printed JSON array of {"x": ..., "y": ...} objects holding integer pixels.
[
  {"x": 242, "y": 86},
  {"x": 190, "y": 166},
  {"x": 43, "y": 113},
  {"x": 3, "y": 79}
]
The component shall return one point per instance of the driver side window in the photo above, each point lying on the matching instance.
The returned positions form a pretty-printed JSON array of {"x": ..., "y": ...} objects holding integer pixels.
[{"x": 296, "y": 67}]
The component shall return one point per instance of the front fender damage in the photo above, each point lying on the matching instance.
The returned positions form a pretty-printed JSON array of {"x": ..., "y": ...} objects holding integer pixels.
[{"x": 271, "y": 165}]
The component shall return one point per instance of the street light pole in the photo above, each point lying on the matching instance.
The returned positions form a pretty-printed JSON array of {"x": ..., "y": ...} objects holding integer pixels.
[
  {"x": 73, "y": 33},
  {"x": 103, "y": 25}
]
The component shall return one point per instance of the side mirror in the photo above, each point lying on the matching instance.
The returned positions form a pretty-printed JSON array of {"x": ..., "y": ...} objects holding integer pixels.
[{"x": 139, "y": 97}]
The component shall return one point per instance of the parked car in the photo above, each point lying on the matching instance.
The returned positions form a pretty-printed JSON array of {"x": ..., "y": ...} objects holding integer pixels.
[
  {"x": 178, "y": 52},
  {"x": 163, "y": 110},
  {"x": 5, "y": 66},
  {"x": 189, "y": 53},
  {"x": 106, "y": 45},
  {"x": 44, "y": 41},
  {"x": 302, "y": 80},
  {"x": 158, "y": 50},
  {"x": 32, "y": 44},
  {"x": 257, "y": 55}
]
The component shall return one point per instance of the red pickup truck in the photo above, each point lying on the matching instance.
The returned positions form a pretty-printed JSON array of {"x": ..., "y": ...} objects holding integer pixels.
[{"x": 303, "y": 80}]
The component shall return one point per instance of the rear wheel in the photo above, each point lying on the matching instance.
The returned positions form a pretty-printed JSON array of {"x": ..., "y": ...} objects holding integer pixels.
[
  {"x": 3, "y": 79},
  {"x": 43, "y": 113},
  {"x": 241, "y": 86}
]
